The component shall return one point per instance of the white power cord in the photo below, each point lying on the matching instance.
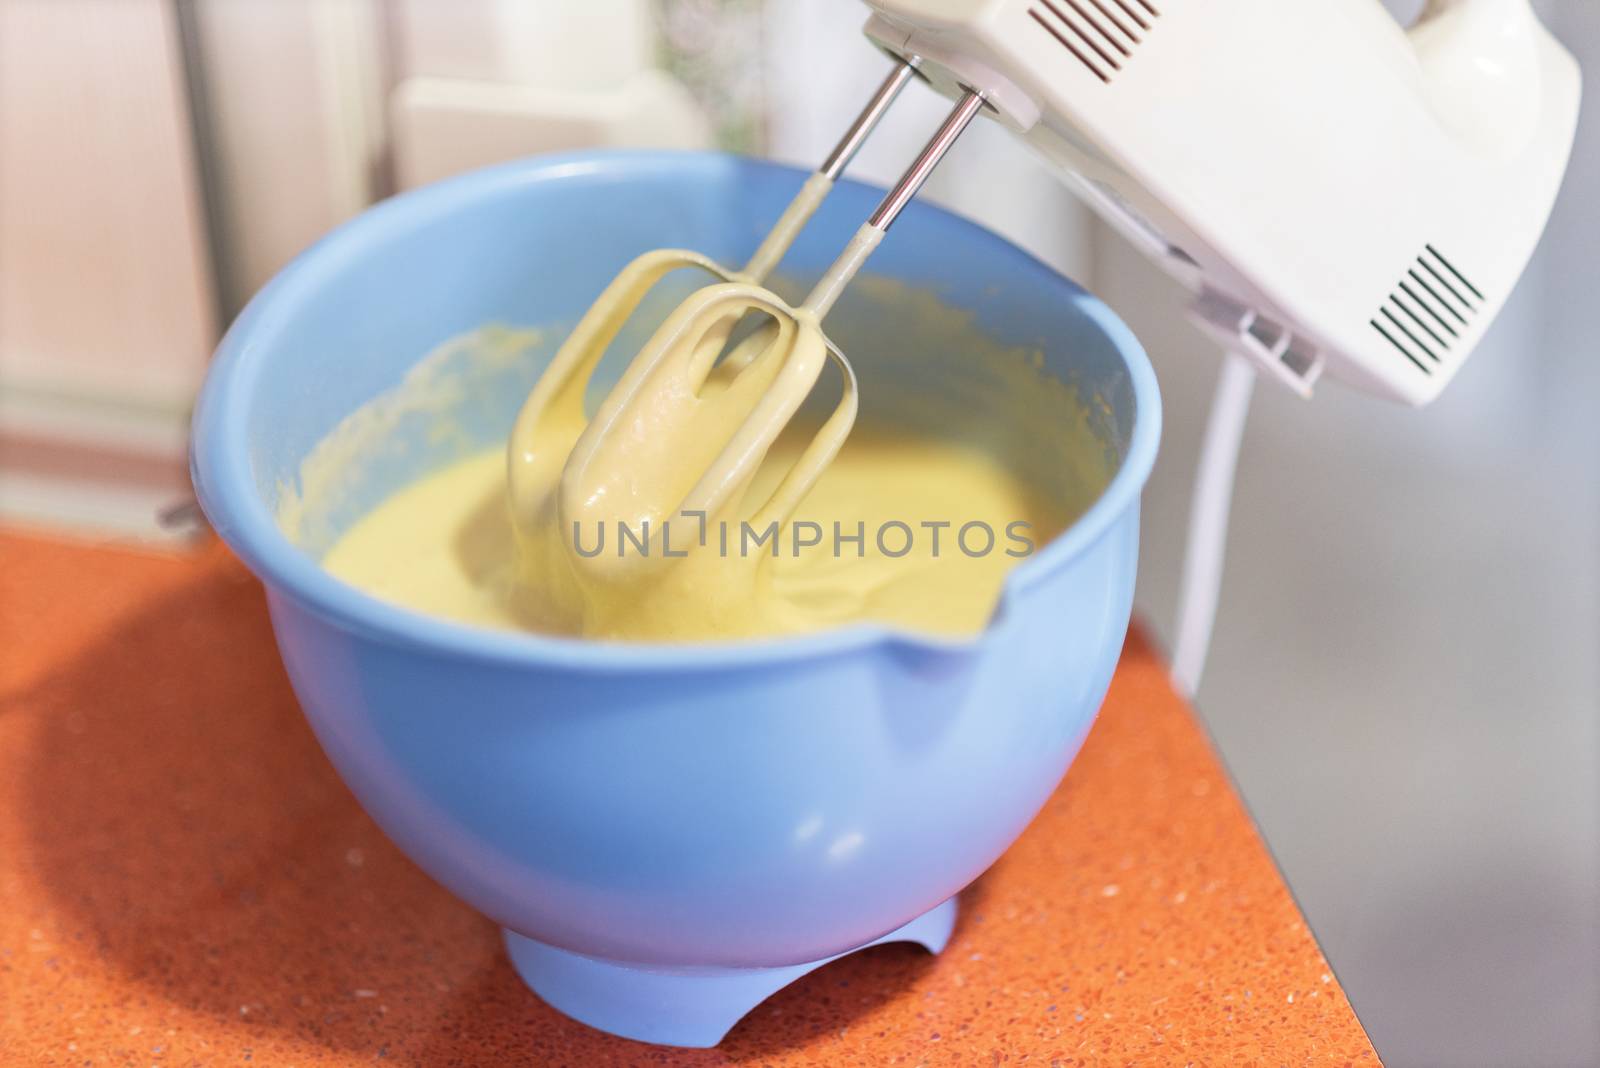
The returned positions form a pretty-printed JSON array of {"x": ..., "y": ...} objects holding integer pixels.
[{"x": 1208, "y": 522}]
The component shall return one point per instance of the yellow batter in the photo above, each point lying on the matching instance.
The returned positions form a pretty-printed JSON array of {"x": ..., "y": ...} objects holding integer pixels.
[
  {"x": 445, "y": 546},
  {"x": 694, "y": 503}
]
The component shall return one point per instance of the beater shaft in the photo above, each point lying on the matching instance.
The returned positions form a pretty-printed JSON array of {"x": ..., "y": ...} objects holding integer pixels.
[
  {"x": 966, "y": 108},
  {"x": 776, "y": 244},
  {"x": 862, "y": 128},
  {"x": 866, "y": 239}
]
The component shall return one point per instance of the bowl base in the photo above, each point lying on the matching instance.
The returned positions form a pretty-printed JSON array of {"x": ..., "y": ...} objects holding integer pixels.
[{"x": 678, "y": 1006}]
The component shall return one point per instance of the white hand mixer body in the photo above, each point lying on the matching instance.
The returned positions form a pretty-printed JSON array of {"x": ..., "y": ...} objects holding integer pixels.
[{"x": 1342, "y": 196}]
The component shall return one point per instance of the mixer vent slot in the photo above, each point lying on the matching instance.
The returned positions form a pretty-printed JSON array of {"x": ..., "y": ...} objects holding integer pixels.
[
  {"x": 1429, "y": 311},
  {"x": 1100, "y": 34}
]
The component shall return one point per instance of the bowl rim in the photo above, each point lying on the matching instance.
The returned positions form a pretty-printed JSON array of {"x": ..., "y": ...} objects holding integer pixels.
[{"x": 224, "y": 481}]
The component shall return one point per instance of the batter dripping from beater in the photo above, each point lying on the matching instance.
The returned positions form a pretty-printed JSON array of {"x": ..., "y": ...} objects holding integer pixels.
[
  {"x": 879, "y": 533},
  {"x": 675, "y": 444},
  {"x": 621, "y": 520}
]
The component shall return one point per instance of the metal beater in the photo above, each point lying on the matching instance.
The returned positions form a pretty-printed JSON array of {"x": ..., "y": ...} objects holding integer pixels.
[{"x": 785, "y": 355}]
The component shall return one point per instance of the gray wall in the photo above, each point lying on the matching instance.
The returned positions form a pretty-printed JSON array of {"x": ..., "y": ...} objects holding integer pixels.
[{"x": 1404, "y": 676}]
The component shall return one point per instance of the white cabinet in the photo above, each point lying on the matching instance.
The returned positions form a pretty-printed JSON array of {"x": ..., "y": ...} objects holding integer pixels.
[
  {"x": 490, "y": 80},
  {"x": 106, "y": 301}
]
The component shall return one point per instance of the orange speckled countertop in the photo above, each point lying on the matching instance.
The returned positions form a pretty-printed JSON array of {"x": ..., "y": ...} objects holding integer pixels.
[{"x": 185, "y": 881}]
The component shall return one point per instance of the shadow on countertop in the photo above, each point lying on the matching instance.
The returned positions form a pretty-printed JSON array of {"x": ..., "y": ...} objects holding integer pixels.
[{"x": 191, "y": 837}]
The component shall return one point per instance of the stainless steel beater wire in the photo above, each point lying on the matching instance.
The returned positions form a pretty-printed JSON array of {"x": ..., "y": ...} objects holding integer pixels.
[
  {"x": 861, "y": 129},
  {"x": 836, "y": 277},
  {"x": 897, "y": 198}
]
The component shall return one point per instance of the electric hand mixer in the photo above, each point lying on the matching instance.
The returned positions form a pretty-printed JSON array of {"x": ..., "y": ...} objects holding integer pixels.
[{"x": 1343, "y": 197}]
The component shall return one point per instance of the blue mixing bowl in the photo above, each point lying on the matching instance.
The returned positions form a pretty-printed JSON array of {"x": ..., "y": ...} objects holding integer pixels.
[{"x": 667, "y": 832}]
